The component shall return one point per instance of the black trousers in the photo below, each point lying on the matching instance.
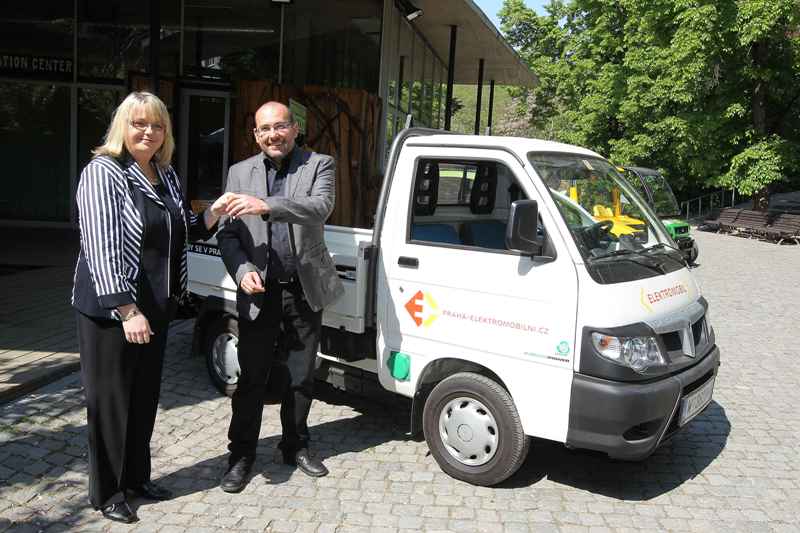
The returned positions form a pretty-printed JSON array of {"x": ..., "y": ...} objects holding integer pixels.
[
  {"x": 122, "y": 382},
  {"x": 286, "y": 327}
]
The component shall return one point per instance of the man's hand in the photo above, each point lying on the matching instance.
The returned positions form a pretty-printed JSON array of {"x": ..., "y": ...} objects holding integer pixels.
[
  {"x": 251, "y": 283},
  {"x": 243, "y": 204}
]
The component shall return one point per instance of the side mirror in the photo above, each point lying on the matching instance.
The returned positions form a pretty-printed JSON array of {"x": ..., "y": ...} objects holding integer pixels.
[{"x": 522, "y": 231}]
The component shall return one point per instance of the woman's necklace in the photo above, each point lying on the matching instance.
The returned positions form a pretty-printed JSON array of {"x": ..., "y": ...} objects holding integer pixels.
[
  {"x": 149, "y": 172},
  {"x": 152, "y": 176}
]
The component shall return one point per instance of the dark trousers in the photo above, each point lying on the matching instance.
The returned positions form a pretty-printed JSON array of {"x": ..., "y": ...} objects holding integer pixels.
[
  {"x": 286, "y": 327},
  {"x": 122, "y": 382}
]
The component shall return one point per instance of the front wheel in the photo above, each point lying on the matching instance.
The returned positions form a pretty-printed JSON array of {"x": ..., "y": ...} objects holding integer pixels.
[
  {"x": 694, "y": 253},
  {"x": 473, "y": 429}
]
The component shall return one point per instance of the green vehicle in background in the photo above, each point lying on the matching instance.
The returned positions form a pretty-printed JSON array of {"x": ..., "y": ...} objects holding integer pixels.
[{"x": 657, "y": 192}]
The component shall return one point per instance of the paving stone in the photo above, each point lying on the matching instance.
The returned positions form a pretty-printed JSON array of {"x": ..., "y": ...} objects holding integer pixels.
[{"x": 737, "y": 465}]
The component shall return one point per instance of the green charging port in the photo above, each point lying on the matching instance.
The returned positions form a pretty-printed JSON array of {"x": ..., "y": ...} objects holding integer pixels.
[{"x": 399, "y": 365}]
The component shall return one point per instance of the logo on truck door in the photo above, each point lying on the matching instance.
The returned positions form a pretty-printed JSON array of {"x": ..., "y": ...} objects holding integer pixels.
[{"x": 423, "y": 309}]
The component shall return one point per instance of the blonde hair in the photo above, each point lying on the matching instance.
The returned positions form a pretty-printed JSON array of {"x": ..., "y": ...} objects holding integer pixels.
[{"x": 155, "y": 110}]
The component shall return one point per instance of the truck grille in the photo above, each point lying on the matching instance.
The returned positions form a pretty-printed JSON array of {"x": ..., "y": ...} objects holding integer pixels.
[{"x": 688, "y": 341}]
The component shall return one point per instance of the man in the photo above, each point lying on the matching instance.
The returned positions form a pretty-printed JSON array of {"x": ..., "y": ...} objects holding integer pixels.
[{"x": 272, "y": 243}]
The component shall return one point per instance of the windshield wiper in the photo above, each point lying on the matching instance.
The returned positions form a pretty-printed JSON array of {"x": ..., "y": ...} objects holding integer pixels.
[
  {"x": 663, "y": 245},
  {"x": 632, "y": 256},
  {"x": 611, "y": 253}
]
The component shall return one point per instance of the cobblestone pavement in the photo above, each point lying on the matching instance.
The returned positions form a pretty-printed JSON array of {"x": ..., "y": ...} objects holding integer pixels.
[{"x": 735, "y": 467}]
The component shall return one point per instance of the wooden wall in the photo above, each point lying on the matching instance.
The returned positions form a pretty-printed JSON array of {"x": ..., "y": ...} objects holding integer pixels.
[
  {"x": 138, "y": 81},
  {"x": 343, "y": 123}
]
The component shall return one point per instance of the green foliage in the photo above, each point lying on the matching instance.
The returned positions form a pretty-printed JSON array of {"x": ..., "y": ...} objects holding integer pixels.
[
  {"x": 465, "y": 101},
  {"x": 708, "y": 91},
  {"x": 759, "y": 165}
]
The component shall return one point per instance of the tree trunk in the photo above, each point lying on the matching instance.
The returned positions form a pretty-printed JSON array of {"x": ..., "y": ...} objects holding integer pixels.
[
  {"x": 761, "y": 200},
  {"x": 759, "y": 53}
]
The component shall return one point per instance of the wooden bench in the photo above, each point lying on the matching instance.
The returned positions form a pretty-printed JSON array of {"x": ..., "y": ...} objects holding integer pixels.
[
  {"x": 784, "y": 226},
  {"x": 723, "y": 217},
  {"x": 748, "y": 221}
]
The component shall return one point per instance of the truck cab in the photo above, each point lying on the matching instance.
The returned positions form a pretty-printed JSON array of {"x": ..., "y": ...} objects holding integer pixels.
[{"x": 505, "y": 310}]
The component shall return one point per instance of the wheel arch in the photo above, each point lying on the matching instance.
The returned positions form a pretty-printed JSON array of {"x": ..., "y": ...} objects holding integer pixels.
[{"x": 436, "y": 371}]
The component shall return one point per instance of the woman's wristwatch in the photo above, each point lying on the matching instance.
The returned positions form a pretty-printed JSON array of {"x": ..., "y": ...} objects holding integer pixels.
[{"x": 132, "y": 313}]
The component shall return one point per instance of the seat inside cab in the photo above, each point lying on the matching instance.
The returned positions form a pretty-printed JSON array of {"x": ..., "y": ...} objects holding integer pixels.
[{"x": 462, "y": 203}]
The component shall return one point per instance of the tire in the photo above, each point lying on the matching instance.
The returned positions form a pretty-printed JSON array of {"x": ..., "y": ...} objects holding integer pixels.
[
  {"x": 694, "y": 253},
  {"x": 220, "y": 350},
  {"x": 473, "y": 429}
]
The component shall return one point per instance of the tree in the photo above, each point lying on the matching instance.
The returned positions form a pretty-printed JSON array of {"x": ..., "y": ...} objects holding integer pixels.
[{"x": 705, "y": 90}]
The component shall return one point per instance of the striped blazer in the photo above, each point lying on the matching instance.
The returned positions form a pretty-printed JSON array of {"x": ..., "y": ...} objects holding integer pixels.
[{"x": 111, "y": 232}]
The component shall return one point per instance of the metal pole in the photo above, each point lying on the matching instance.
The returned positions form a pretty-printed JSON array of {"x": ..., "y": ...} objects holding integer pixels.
[
  {"x": 491, "y": 107},
  {"x": 479, "y": 98},
  {"x": 73, "y": 117},
  {"x": 155, "y": 45},
  {"x": 183, "y": 34},
  {"x": 280, "y": 48},
  {"x": 399, "y": 95},
  {"x": 439, "y": 99},
  {"x": 451, "y": 73},
  {"x": 410, "y": 109}
]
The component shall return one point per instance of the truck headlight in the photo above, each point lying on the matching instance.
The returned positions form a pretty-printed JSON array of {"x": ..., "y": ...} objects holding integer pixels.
[{"x": 638, "y": 353}]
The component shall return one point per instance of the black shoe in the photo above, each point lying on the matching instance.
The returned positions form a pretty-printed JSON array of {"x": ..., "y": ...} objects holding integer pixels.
[
  {"x": 235, "y": 478},
  {"x": 151, "y": 491},
  {"x": 119, "y": 512},
  {"x": 310, "y": 467}
]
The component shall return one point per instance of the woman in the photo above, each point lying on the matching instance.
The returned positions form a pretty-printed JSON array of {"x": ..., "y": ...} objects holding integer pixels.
[{"x": 131, "y": 271}]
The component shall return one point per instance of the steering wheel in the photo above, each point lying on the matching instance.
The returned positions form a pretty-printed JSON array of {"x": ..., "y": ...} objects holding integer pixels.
[{"x": 600, "y": 230}]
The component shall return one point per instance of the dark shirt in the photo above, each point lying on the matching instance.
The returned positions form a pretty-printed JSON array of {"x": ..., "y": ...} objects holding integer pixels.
[
  {"x": 162, "y": 246},
  {"x": 281, "y": 259}
]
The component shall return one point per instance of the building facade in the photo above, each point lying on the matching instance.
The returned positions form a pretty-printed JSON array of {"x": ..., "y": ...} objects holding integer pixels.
[{"x": 66, "y": 64}]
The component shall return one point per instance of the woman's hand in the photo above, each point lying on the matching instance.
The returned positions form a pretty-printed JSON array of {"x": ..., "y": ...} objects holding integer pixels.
[
  {"x": 221, "y": 204},
  {"x": 137, "y": 328},
  {"x": 217, "y": 209}
]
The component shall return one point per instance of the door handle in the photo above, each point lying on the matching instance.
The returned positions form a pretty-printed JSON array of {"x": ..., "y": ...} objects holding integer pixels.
[{"x": 408, "y": 262}]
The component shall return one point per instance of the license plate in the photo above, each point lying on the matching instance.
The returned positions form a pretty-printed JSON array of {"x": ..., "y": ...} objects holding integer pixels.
[{"x": 695, "y": 402}]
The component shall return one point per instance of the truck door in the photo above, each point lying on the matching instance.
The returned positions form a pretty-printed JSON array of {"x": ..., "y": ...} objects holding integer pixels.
[{"x": 450, "y": 290}]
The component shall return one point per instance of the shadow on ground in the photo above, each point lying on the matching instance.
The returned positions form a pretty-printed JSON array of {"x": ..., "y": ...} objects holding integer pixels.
[
  {"x": 57, "y": 499},
  {"x": 371, "y": 426},
  {"x": 675, "y": 462}
]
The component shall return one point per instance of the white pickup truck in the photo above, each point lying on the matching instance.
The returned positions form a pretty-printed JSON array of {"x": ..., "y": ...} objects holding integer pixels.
[{"x": 488, "y": 294}]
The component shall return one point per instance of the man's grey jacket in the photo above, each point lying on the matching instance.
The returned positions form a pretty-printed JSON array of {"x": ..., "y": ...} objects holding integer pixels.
[{"x": 308, "y": 201}]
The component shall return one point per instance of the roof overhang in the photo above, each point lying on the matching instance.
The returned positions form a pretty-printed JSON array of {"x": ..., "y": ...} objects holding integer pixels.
[{"x": 476, "y": 38}]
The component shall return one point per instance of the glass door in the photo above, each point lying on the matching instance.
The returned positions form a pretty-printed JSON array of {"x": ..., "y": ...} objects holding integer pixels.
[{"x": 204, "y": 139}]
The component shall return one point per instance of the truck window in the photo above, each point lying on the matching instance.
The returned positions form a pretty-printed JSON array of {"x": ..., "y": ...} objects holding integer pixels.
[
  {"x": 455, "y": 182},
  {"x": 462, "y": 203}
]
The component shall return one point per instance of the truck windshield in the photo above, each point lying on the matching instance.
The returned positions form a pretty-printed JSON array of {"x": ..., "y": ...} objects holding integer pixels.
[
  {"x": 618, "y": 236},
  {"x": 664, "y": 201}
]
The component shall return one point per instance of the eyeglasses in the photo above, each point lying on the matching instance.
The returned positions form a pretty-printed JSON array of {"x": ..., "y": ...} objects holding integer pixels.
[
  {"x": 142, "y": 126},
  {"x": 278, "y": 127}
]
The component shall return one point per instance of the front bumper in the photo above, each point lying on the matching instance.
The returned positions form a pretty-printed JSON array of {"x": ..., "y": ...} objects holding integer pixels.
[{"x": 630, "y": 420}]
